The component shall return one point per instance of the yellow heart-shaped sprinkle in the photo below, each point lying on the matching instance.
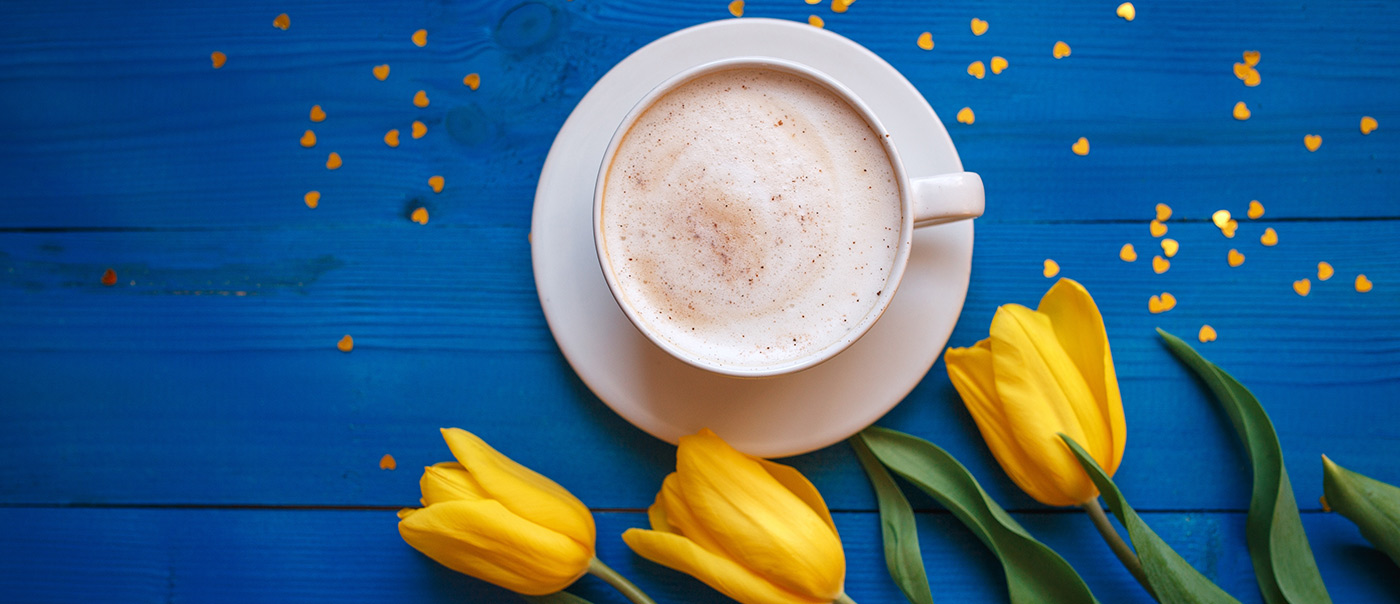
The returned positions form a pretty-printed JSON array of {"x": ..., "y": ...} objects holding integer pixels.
[
  {"x": 419, "y": 129},
  {"x": 965, "y": 115},
  {"x": 1251, "y": 57},
  {"x": 1126, "y": 11},
  {"x": 1157, "y": 228},
  {"x": 391, "y": 138},
  {"x": 1168, "y": 301},
  {"x": 1060, "y": 51},
  {"x": 1051, "y": 269},
  {"x": 218, "y": 59},
  {"x": 1229, "y": 229},
  {"x": 1256, "y": 210},
  {"x": 1241, "y": 70},
  {"x": 333, "y": 161},
  {"x": 1251, "y": 78},
  {"x": 1161, "y": 304},
  {"x": 1220, "y": 218},
  {"x": 1241, "y": 112},
  {"x": 979, "y": 27},
  {"x": 1164, "y": 212},
  {"x": 999, "y": 65},
  {"x": 436, "y": 183},
  {"x": 926, "y": 40},
  {"x": 1302, "y": 286},
  {"x": 346, "y": 344},
  {"x": 419, "y": 216},
  {"x": 387, "y": 462},
  {"x": 1368, "y": 124},
  {"x": 472, "y": 81},
  {"x": 1269, "y": 238},
  {"x": 977, "y": 70},
  {"x": 1324, "y": 271},
  {"x": 840, "y": 6},
  {"x": 1081, "y": 146},
  {"x": 420, "y": 38},
  {"x": 312, "y": 199},
  {"x": 1207, "y": 334},
  {"x": 814, "y": 1},
  {"x": 381, "y": 72},
  {"x": 1363, "y": 284},
  {"x": 282, "y": 21},
  {"x": 308, "y": 139},
  {"x": 816, "y": 22},
  {"x": 1170, "y": 247},
  {"x": 736, "y": 8},
  {"x": 1160, "y": 264},
  {"x": 420, "y": 99},
  {"x": 1312, "y": 142},
  {"x": 1234, "y": 258},
  {"x": 317, "y": 114},
  {"x": 1127, "y": 254}
]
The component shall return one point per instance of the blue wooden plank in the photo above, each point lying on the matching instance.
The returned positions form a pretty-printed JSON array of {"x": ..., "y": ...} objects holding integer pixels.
[
  {"x": 122, "y": 122},
  {"x": 222, "y": 555}
]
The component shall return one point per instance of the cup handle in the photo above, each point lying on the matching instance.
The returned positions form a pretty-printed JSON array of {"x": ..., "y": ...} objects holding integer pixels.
[{"x": 947, "y": 198}]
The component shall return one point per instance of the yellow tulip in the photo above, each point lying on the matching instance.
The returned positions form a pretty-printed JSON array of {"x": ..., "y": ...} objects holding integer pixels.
[
  {"x": 496, "y": 520},
  {"x": 757, "y": 531},
  {"x": 1044, "y": 372}
]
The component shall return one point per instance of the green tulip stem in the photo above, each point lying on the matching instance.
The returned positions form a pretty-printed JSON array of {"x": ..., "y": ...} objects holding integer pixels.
[
  {"x": 843, "y": 599},
  {"x": 1115, "y": 542},
  {"x": 619, "y": 582}
]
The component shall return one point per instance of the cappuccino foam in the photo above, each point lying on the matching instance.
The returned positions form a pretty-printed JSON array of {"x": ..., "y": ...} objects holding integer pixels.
[{"x": 751, "y": 217}]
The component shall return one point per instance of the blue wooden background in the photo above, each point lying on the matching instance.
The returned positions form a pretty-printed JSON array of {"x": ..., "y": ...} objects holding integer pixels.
[{"x": 192, "y": 434}]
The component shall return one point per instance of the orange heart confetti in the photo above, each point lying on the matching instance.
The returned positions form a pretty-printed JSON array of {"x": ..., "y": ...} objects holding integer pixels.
[
  {"x": 999, "y": 65},
  {"x": 1170, "y": 247},
  {"x": 346, "y": 344},
  {"x": 1251, "y": 57},
  {"x": 419, "y": 129},
  {"x": 312, "y": 199},
  {"x": 1157, "y": 228},
  {"x": 965, "y": 115},
  {"x": 391, "y": 138},
  {"x": 1160, "y": 264},
  {"x": 420, "y": 99},
  {"x": 977, "y": 70},
  {"x": 1161, "y": 304},
  {"x": 1060, "y": 51},
  {"x": 1252, "y": 79},
  {"x": 1164, "y": 212},
  {"x": 317, "y": 114},
  {"x": 282, "y": 22},
  {"x": 1312, "y": 142},
  {"x": 1080, "y": 147},
  {"x": 420, "y": 216},
  {"x": 1234, "y": 258},
  {"x": 1051, "y": 269},
  {"x": 1126, "y": 11},
  {"x": 1241, "y": 70},
  {"x": 1324, "y": 271},
  {"x": 333, "y": 161},
  {"x": 109, "y": 277},
  {"x": 814, "y": 1},
  {"x": 1363, "y": 284},
  {"x": 1369, "y": 124},
  {"x": 381, "y": 72},
  {"x": 1220, "y": 218},
  {"x": 979, "y": 27},
  {"x": 1256, "y": 210},
  {"x": 1269, "y": 238},
  {"x": 218, "y": 59},
  {"x": 1302, "y": 286},
  {"x": 1207, "y": 334},
  {"x": 736, "y": 8},
  {"x": 1229, "y": 229},
  {"x": 816, "y": 22},
  {"x": 436, "y": 183},
  {"x": 840, "y": 6},
  {"x": 1241, "y": 112},
  {"x": 926, "y": 41},
  {"x": 472, "y": 81},
  {"x": 420, "y": 38},
  {"x": 388, "y": 462},
  {"x": 308, "y": 139},
  {"x": 1127, "y": 254}
]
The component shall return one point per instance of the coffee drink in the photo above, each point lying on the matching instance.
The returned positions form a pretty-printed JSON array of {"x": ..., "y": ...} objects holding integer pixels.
[{"x": 751, "y": 217}]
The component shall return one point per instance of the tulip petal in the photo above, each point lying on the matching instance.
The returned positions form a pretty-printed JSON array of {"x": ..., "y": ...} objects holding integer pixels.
[
  {"x": 724, "y": 575},
  {"x": 682, "y": 519},
  {"x": 442, "y": 483},
  {"x": 485, "y": 540},
  {"x": 1080, "y": 330},
  {"x": 657, "y": 516},
  {"x": 520, "y": 489},
  {"x": 801, "y": 487},
  {"x": 1036, "y": 383},
  {"x": 762, "y": 525}
]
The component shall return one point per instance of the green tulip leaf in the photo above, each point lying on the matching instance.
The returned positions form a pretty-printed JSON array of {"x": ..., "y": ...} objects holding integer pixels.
[
  {"x": 1373, "y": 505},
  {"x": 1173, "y": 580},
  {"x": 901, "y": 536},
  {"x": 558, "y": 597},
  {"x": 1035, "y": 574},
  {"x": 1283, "y": 560}
]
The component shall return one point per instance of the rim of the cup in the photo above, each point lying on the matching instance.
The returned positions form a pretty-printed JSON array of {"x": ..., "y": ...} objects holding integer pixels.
[{"x": 892, "y": 280}]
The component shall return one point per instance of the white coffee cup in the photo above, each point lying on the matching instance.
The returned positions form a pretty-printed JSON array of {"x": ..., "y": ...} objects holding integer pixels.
[{"x": 924, "y": 201}]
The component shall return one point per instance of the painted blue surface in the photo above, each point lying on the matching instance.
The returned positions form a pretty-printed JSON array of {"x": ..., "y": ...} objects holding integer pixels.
[{"x": 191, "y": 433}]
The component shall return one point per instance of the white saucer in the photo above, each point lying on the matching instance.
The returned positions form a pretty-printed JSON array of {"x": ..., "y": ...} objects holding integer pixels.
[{"x": 769, "y": 417}]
